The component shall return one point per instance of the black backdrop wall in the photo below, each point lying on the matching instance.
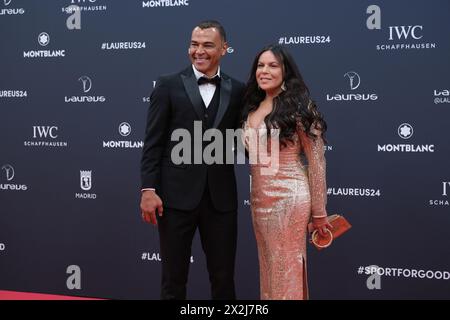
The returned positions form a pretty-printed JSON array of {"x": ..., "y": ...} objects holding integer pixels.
[{"x": 73, "y": 100}]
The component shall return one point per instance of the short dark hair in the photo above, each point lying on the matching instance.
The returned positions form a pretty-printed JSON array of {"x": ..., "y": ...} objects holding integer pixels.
[{"x": 213, "y": 24}]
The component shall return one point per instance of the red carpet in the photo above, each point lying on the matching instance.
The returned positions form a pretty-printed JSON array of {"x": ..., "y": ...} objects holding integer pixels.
[{"x": 15, "y": 295}]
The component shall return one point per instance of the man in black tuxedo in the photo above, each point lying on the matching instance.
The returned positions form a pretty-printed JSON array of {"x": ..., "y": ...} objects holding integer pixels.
[{"x": 193, "y": 195}]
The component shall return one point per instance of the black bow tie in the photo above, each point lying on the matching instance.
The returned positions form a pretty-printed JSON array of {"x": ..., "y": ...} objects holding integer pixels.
[{"x": 203, "y": 80}]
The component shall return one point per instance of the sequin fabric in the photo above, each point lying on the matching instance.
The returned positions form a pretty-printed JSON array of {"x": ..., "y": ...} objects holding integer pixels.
[{"x": 281, "y": 205}]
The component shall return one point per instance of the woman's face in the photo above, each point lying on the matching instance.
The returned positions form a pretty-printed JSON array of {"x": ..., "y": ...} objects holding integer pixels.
[{"x": 269, "y": 73}]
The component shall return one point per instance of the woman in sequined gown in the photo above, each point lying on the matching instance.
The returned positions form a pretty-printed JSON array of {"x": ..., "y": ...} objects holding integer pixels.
[{"x": 286, "y": 194}]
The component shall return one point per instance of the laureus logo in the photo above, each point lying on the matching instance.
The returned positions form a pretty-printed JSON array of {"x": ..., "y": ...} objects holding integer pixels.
[
  {"x": 354, "y": 79},
  {"x": 9, "y": 10},
  {"x": 87, "y": 83},
  {"x": 9, "y": 172},
  {"x": 86, "y": 86}
]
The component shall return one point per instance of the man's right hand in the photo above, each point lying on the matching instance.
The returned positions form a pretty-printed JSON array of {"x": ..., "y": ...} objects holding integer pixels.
[{"x": 150, "y": 203}]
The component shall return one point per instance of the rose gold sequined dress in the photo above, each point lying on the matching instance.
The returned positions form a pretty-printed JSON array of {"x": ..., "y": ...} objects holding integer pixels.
[{"x": 281, "y": 205}]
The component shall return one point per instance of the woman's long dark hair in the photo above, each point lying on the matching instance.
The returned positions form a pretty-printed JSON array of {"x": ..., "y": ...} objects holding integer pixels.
[{"x": 291, "y": 106}]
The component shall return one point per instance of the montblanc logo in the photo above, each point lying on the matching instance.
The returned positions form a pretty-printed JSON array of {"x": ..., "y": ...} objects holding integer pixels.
[
  {"x": 85, "y": 185},
  {"x": 43, "y": 40},
  {"x": 124, "y": 130},
  {"x": 9, "y": 10},
  {"x": 86, "y": 86},
  {"x": 165, "y": 3},
  {"x": 8, "y": 173},
  {"x": 354, "y": 81},
  {"x": 404, "y": 37},
  {"x": 445, "y": 194},
  {"x": 45, "y": 136},
  {"x": 441, "y": 96},
  {"x": 405, "y": 131},
  {"x": 83, "y": 6}
]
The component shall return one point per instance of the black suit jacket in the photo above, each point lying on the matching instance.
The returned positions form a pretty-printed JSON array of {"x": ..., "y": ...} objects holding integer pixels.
[{"x": 176, "y": 103}]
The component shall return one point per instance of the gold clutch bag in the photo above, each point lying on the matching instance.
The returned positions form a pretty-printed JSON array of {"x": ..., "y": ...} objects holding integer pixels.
[{"x": 340, "y": 226}]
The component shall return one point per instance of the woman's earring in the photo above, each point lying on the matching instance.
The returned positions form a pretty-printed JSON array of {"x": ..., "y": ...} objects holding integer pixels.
[{"x": 283, "y": 86}]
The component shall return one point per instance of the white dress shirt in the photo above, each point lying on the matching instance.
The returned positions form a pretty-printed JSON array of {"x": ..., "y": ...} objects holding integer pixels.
[{"x": 207, "y": 89}]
